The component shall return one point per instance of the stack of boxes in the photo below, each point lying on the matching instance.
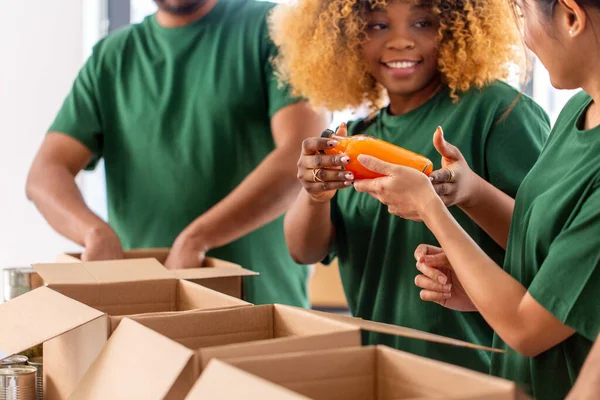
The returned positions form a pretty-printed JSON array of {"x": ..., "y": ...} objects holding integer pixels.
[{"x": 131, "y": 329}]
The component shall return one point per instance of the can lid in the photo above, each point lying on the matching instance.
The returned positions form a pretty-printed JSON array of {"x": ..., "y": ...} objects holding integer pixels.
[
  {"x": 19, "y": 370},
  {"x": 16, "y": 359},
  {"x": 36, "y": 361},
  {"x": 327, "y": 133}
]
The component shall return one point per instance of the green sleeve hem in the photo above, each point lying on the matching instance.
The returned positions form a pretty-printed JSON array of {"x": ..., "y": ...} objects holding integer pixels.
[{"x": 561, "y": 310}]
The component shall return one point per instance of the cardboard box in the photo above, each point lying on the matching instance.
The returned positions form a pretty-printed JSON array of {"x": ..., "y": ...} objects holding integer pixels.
[
  {"x": 215, "y": 382},
  {"x": 224, "y": 334},
  {"x": 367, "y": 373},
  {"x": 326, "y": 289},
  {"x": 73, "y": 315},
  {"x": 215, "y": 274}
]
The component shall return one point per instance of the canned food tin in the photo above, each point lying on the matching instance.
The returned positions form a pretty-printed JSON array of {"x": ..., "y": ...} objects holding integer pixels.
[
  {"x": 17, "y": 383},
  {"x": 13, "y": 361},
  {"x": 19, "y": 280},
  {"x": 38, "y": 363}
]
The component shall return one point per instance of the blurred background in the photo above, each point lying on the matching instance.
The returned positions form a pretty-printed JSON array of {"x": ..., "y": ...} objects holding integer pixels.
[{"x": 43, "y": 44}]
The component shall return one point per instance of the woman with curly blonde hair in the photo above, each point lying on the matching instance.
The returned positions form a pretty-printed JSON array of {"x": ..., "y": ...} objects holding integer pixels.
[{"x": 437, "y": 63}]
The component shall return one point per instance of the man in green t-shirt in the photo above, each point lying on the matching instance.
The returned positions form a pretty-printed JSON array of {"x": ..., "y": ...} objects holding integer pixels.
[{"x": 199, "y": 140}]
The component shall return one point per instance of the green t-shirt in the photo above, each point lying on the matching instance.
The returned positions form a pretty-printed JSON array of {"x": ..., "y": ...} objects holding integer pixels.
[
  {"x": 553, "y": 251},
  {"x": 181, "y": 116},
  {"x": 375, "y": 249}
]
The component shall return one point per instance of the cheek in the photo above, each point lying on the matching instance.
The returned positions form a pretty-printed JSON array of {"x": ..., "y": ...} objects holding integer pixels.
[{"x": 371, "y": 53}]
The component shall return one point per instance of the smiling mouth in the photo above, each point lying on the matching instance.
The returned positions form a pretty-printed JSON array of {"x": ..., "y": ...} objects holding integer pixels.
[{"x": 401, "y": 64}]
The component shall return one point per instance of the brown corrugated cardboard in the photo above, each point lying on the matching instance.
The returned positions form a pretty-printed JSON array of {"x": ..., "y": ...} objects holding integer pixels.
[
  {"x": 245, "y": 331},
  {"x": 121, "y": 372},
  {"x": 219, "y": 275},
  {"x": 325, "y": 287},
  {"x": 126, "y": 287},
  {"x": 370, "y": 373},
  {"x": 42, "y": 316},
  {"x": 114, "y": 287},
  {"x": 38, "y": 316},
  {"x": 402, "y": 331},
  {"x": 215, "y": 383},
  {"x": 250, "y": 330},
  {"x": 259, "y": 331}
]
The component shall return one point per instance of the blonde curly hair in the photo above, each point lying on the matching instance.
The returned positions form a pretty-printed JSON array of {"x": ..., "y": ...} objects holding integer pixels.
[{"x": 320, "y": 48}]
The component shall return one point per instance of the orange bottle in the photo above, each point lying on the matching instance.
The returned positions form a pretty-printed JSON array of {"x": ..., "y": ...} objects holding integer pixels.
[{"x": 355, "y": 145}]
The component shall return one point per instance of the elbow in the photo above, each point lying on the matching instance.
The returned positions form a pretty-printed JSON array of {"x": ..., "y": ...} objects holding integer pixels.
[
  {"x": 30, "y": 186},
  {"x": 526, "y": 344},
  {"x": 297, "y": 257}
]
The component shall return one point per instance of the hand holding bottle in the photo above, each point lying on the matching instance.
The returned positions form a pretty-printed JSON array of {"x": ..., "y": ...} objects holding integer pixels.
[{"x": 321, "y": 174}]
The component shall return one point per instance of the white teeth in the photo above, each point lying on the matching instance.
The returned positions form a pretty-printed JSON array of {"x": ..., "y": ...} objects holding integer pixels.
[{"x": 402, "y": 64}]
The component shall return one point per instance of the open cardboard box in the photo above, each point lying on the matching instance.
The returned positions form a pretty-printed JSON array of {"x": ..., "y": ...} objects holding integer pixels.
[
  {"x": 215, "y": 383},
  {"x": 73, "y": 314},
  {"x": 354, "y": 373},
  {"x": 224, "y": 334},
  {"x": 222, "y": 276}
]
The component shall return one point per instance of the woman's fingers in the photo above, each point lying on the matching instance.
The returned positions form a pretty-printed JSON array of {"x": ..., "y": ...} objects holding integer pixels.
[
  {"x": 317, "y": 144},
  {"x": 427, "y": 283},
  {"x": 326, "y": 175},
  {"x": 323, "y": 161},
  {"x": 325, "y": 186},
  {"x": 440, "y": 298},
  {"x": 425, "y": 249},
  {"x": 432, "y": 273}
]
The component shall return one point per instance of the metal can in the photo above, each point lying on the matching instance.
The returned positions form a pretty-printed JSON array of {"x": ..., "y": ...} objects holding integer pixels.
[
  {"x": 13, "y": 361},
  {"x": 17, "y": 383},
  {"x": 38, "y": 363},
  {"x": 18, "y": 281}
]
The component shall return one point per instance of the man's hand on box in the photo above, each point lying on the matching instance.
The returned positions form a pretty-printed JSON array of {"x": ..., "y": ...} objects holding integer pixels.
[
  {"x": 187, "y": 252},
  {"x": 102, "y": 243}
]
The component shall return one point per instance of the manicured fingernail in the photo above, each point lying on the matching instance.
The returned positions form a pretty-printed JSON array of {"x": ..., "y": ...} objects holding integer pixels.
[
  {"x": 447, "y": 295},
  {"x": 343, "y": 124},
  {"x": 348, "y": 183},
  {"x": 447, "y": 288},
  {"x": 442, "y": 279},
  {"x": 345, "y": 160},
  {"x": 332, "y": 143},
  {"x": 350, "y": 176}
]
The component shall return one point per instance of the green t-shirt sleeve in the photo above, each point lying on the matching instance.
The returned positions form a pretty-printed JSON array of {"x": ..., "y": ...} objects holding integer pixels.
[
  {"x": 279, "y": 94},
  {"x": 79, "y": 116},
  {"x": 514, "y": 144},
  {"x": 568, "y": 280}
]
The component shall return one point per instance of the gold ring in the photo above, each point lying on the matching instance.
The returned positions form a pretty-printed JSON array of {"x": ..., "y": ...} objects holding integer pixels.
[
  {"x": 451, "y": 174},
  {"x": 316, "y": 175}
]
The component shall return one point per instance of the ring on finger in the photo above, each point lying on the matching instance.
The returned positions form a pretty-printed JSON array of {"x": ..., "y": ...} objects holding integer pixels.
[
  {"x": 316, "y": 173},
  {"x": 451, "y": 171}
]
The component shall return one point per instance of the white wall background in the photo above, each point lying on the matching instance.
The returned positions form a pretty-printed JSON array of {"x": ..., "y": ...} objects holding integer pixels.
[{"x": 42, "y": 49}]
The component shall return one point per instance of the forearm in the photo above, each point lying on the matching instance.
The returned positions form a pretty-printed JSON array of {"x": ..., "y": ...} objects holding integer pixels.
[
  {"x": 309, "y": 231},
  {"x": 263, "y": 196},
  {"x": 496, "y": 294},
  {"x": 492, "y": 210},
  {"x": 53, "y": 190}
]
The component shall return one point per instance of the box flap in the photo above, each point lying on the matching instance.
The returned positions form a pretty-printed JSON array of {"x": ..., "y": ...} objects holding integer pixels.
[
  {"x": 389, "y": 329},
  {"x": 223, "y": 381},
  {"x": 67, "y": 258},
  {"x": 136, "y": 363},
  {"x": 103, "y": 271},
  {"x": 38, "y": 316},
  {"x": 212, "y": 272}
]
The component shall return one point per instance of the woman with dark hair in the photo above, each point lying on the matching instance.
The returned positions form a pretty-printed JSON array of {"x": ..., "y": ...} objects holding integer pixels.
[{"x": 543, "y": 305}]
